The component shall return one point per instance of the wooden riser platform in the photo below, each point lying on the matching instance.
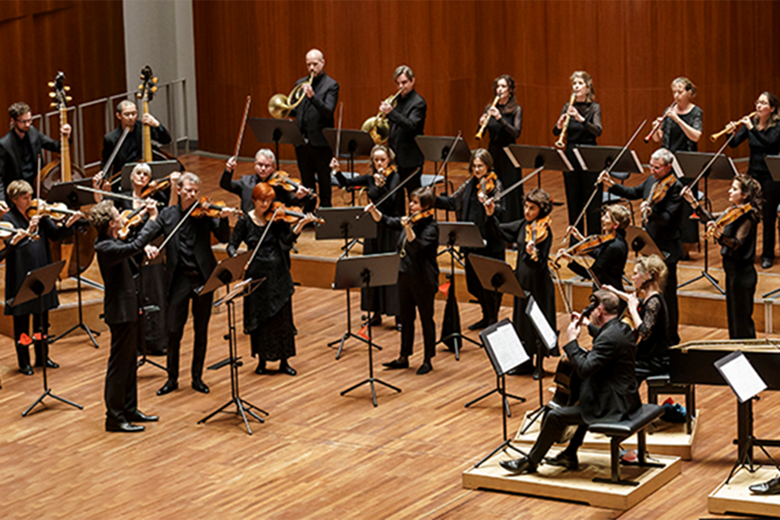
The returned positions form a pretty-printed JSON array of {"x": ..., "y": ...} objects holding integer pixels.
[
  {"x": 735, "y": 497},
  {"x": 575, "y": 486}
]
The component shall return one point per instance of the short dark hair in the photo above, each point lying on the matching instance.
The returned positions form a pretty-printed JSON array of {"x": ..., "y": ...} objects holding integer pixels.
[
  {"x": 18, "y": 109},
  {"x": 425, "y": 196},
  {"x": 406, "y": 70},
  {"x": 541, "y": 198},
  {"x": 608, "y": 300},
  {"x": 101, "y": 215}
]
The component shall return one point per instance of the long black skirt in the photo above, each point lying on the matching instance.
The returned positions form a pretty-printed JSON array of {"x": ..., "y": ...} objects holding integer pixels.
[{"x": 274, "y": 338}]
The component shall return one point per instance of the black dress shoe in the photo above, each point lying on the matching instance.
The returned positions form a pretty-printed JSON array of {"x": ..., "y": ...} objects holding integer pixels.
[
  {"x": 26, "y": 370},
  {"x": 139, "y": 416},
  {"x": 770, "y": 487},
  {"x": 376, "y": 320},
  {"x": 481, "y": 324},
  {"x": 168, "y": 387},
  {"x": 766, "y": 263},
  {"x": 565, "y": 460},
  {"x": 199, "y": 386},
  {"x": 112, "y": 425},
  {"x": 424, "y": 368},
  {"x": 536, "y": 374},
  {"x": 49, "y": 364},
  {"x": 260, "y": 370},
  {"x": 284, "y": 368},
  {"x": 521, "y": 465},
  {"x": 396, "y": 363}
]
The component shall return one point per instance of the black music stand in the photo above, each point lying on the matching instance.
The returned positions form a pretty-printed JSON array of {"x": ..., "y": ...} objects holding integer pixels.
[
  {"x": 690, "y": 165},
  {"x": 346, "y": 223},
  {"x": 74, "y": 198},
  {"x": 227, "y": 271},
  {"x": 159, "y": 169},
  {"x": 144, "y": 309},
  {"x": 277, "y": 131},
  {"x": 354, "y": 143},
  {"x": 599, "y": 158},
  {"x": 437, "y": 149},
  {"x": 640, "y": 242},
  {"x": 451, "y": 234},
  {"x": 498, "y": 276},
  {"x": 773, "y": 164},
  {"x": 36, "y": 285},
  {"x": 505, "y": 352},
  {"x": 532, "y": 157},
  {"x": 367, "y": 272}
]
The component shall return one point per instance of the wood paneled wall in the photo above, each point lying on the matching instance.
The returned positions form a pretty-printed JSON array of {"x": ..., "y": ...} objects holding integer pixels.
[
  {"x": 84, "y": 39},
  {"x": 633, "y": 49}
]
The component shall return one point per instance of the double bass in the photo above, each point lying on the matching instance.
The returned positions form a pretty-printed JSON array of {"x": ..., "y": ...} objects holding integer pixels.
[{"x": 146, "y": 92}]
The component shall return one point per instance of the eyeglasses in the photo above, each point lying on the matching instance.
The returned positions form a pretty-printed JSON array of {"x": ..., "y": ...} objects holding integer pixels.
[{"x": 24, "y": 121}]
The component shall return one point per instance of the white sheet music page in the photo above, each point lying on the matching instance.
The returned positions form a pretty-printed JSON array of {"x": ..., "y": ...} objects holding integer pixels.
[
  {"x": 507, "y": 347},
  {"x": 549, "y": 337},
  {"x": 741, "y": 376}
]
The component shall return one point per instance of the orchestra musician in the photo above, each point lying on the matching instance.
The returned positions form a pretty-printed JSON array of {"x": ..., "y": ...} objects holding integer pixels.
[
  {"x": 662, "y": 214},
  {"x": 735, "y": 230},
  {"x": 533, "y": 236},
  {"x": 121, "y": 312},
  {"x": 608, "y": 391},
  {"x": 466, "y": 203},
  {"x": 21, "y": 146},
  {"x": 314, "y": 114},
  {"x": 189, "y": 263},
  {"x": 382, "y": 178},
  {"x": 24, "y": 255},
  {"x": 418, "y": 273},
  {"x": 407, "y": 121},
  {"x": 504, "y": 123},
  {"x": 763, "y": 134},
  {"x": 268, "y": 317},
  {"x": 132, "y": 147},
  {"x": 584, "y": 127}
]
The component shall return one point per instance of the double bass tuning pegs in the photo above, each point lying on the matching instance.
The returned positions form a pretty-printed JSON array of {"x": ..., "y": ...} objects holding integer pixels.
[{"x": 51, "y": 84}]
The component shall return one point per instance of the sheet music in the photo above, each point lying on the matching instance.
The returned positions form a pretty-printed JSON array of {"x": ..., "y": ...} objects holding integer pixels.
[
  {"x": 740, "y": 375},
  {"x": 549, "y": 336},
  {"x": 507, "y": 347}
]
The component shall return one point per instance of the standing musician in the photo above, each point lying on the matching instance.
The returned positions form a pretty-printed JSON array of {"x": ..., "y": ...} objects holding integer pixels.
[
  {"x": 381, "y": 179},
  {"x": 121, "y": 310},
  {"x": 313, "y": 115},
  {"x": 407, "y": 121},
  {"x": 132, "y": 147},
  {"x": 533, "y": 235},
  {"x": 190, "y": 262},
  {"x": 650, "y": 315},
  {"x": 608, "y": 392},
  {"x": 584, "y": 116},
  {"x": 20, "y": 148},
  {"x": 265, "y": 170},
  {"x": 24, "y": 255},
  {"x": 268, "y": 317},
  {"x": 680, "y": 130},
  {"x": 763, "y": 134},
  {"x": 735, "y": 230},
  {"x": 504, "y": 120},
  {"x": 466, "y": 203},
  {"x": 662, "y": 217},
  {"x": 418, "y": 273}
]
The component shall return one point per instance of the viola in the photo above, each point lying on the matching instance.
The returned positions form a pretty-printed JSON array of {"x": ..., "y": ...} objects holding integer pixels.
[
  {"x": 208, "y": 208},
  {"x": 282, "y": 179},
  {"x": 416, "y": 217},
  {"x": 659, "y": 191},
  {"x": 56, "y": 212},
  {"x": 285, "y": 214},
  {"x": 535, "y": 232},
  {"x": 156, "y": 186},
  {"x": 488, "y": 183},
  {"x": 380, "y": 177},
  {"x": 729, "y": 216},
  {"x": 131, "y": 218}
]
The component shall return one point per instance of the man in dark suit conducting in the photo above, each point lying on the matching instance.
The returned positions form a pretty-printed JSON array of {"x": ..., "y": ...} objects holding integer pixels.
[
  {"x": 20, "y": 148},
  {"x": 608, "y": 392},
  {"x": 121, "y": 311}
]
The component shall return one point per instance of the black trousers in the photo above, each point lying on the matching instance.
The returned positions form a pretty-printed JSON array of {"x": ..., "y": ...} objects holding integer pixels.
[
  {"x": 554, "y": 425},
  {"x": 315, "y": 160},
  {"x": 414, "y": 294},
  {"x": 121, "y": 393},
  {"x": 182, "y": 292},
  {"x": 771, "y": 192},
  {"x": 670, "y": 295},
  {"x": 741, "y": 281},
  {"x": 22, "y": 326},
  {"x": 579, "y": 186}
]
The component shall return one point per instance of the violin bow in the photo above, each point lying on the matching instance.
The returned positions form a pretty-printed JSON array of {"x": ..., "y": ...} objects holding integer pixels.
[
  {"x": 262, "y": 237},
  {"x": 107, "y": 167},
  {"x": 170, "y": 236},
  {"x": 711, "y": 161},
  {"x": 446, "y": 159},
  {"x": 115, "y": 195},
  {"x": 559, "y": 286},
  {"x": 243, "y": 127},
  {"x": 338, "y": 133},
  {"x": 391, "y": 192},
  {"x": 516, "y": 185}
]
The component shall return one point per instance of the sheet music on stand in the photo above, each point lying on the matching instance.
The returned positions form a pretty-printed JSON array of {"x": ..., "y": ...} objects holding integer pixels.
[
  {"x": 740, "y": 375},
  {"x": 504, "y": 347},
  {"x": 546, "y": 332}
]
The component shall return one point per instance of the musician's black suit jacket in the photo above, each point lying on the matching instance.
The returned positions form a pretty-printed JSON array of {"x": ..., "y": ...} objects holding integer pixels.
[
  {"x": 133, "y": 147},
  {"x": 316, "y": 113},
  {"x": 407, "y": 121},
  {"x": 243, "y": 188},
  {"x": 120, "y": 302},
  {"x": 11, "y": 162}
]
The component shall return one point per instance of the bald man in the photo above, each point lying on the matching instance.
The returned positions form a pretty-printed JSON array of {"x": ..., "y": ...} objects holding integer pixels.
[{"x": 314, "y": 114}]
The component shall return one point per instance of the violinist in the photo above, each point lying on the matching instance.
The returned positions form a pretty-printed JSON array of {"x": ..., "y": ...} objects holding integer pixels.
[
  {"x": 268, "y": 316},
  {"x": 189, "y": 264},
  {"x": 533, "y": 235},
  {"x": 132, "y": 147},
  {"x": 762, "y": 132},
  {"x": 662, "y": 216},
  {"x": 265, "y": 169},
  {"x": 735, "y": 231},
  {"x": 24, "y": 255},
  {"x": 418, "y": 274},
  {"x": 609, "y": 249},
  {"x": 467, "y": 205},
  {"x": 382, "y": 177}
]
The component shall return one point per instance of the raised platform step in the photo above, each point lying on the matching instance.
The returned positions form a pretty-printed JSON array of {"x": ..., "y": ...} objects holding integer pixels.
[{"x": 735, "y": 497}]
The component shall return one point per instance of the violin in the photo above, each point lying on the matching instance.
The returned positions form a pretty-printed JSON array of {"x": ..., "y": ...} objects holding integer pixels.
[
  {"x": 7, "y": 230},
  {"x": 536, "y": 232},
  {"x": 658, "y": 192},
  {"x": 56, "y": 212},
  {"x": 380, "y": 177},
  {"x": 282, "y": 179},
  {"x": 286, "y": 214},
  {"x": 488, "y": 183},
  {"x": 156, "y": 186},
  {"x": 208, "y": 208},
  {"x": 416, "y": 217},
  {"x": 729, "y": 216},
  {"x": 130, "y": 219}
]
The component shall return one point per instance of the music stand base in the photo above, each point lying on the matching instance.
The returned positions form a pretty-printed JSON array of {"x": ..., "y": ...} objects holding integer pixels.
[
  {"x": 347, "y": 335},
  {"x": 83, "y": 326},
  {"x": 745, "y": 459},
  {"x": 707, "y": 276},
  {"x": 146, "y": 361},
  {"x": 371, "y": 381},
  {"x": 242, "y": 408},
  {"x": 504, "y": 395},
  {"x": 457, "y": 335},
  {"x": 504, "y": 445},
  {"x": 49, "y": 393}
]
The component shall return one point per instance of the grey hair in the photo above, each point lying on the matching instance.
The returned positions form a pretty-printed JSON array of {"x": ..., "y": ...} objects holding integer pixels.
[
  {"x": 188, "y": 176},
  {"x": 265, "y": 152},
  {"x": 143, "y": 167},
  {"x": 405, "y": 70},
  {"x": 125, "y": 103},
  {"x": 662, "y": 154}
]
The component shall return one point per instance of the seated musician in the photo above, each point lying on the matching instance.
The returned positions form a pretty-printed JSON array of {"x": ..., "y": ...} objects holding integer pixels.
[
  {"x": 132, "y": 147},
  {"x": 608, "y": 392},
  {"x": 265, "y": 171}
]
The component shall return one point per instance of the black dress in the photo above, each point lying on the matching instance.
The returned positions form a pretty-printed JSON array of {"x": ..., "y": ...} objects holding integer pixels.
[
  {"x": 504, "y": 132},
  {"x": 268, "y": 310},
  {"x": 579, "y": 183},
  {"x": 384, "y": 299},
  {"x": 610, "y": 262},
  {"x": 675, "y": 141},
  {"x": 652, "y": 354}
]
